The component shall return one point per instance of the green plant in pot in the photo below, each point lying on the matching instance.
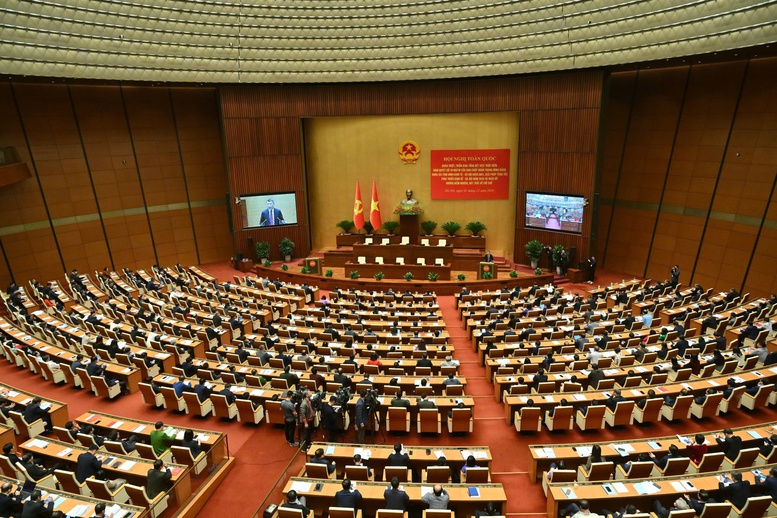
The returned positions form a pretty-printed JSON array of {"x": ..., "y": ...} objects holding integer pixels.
[
  {"x": 428, "y": 226},
  {"x": 513, "y": 274},
  {"x": 329, "y": 273},
  {"x": 461, "y": 277},
  {"x": 451, "y": 227},
  {"x": 533, "y": 252},
  {"x": 538, "y": 271},
  {"x": 432, "y": 276},
  {"x": 390, "y": 226},
  {"x": 488, "y": 275},
  {"x": 267, "y": 263},
  {"x": 476, "y": 227},
  {"x": 262, "y": 249},
  {"x": 409, "y": 276},
  {"x": 286, "y": 248},
  {"x": 557, "y": 250},
  {"x": 345, "y": 225},
  {"x": 379, "y": 276},
  {"x": 305, "y": 269},
  {"x": 285, "y": 267},
  {"x": 354, "y": 274},
  {"x": 368, "y": 227}
]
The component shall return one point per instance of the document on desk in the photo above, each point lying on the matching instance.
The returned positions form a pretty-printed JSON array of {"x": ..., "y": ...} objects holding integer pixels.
[
  {"x": 38, "y": 443},
  {"x": 364, "y": 452},
  {"x": 117, "y": 424},
  {"x": 623, "y": 449},
  {"x": 568, "y": 492},
  {"x": 579, "y": 397},
  {"x": 127, "y": 465},
  {"x": 65, "y": 452},
  {"x": 438, "y": 453},
  {"x": 546, "y": 453},
  {"x": 620, "y": 487},
  {"x": 77, "y": 511},
  {"x": 301, "y": 486},
  {"x": 584, "y": 451},
  {"x": 754, "y": 434},
  {"x": 139, "y": 428},
  {"x": 330, "y": 449},
  {"x": 425, "y": 489},
  {"x": 647, "y": 488}
]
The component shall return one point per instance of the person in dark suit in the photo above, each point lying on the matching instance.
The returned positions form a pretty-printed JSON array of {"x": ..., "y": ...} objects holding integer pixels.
[
  {"x": 348, "y": 497},
  {"x": 674, "y": 453},
  {"x": 228, "y": 393},
  {"x": 329, "y": 421},
  {"x": 489, "y": 257},
  {"x": 398, "y": 458},
  {"x": 591, "y": 269},
  {"x": 731, "y": 443},
  {"x": 698, "y": 504},
  {"x": 271, "y": 216},
  {"x": 768, "y": 484},
  {"x": 595, "y": 377},
  {"x": 202, "y": 390},
  {"x": 736, "y": 490},
  {"x": 36, "y": 471},
  {"x": 35, "y": 411},
  {"x": 540, "y": 377},
  {"x": 675, "y": 275},
  {"x": 158, "y": 479},
  {"x": 395, "y": 498},
  {"x": 37, "y": 508},
  {"x": 398, "y": 400},
  {"x": 10, "y": 502},
  {"x": 88, "y": 464},
  {"x": 614, "y": 399},
  {"x": 295, "y": 502}
]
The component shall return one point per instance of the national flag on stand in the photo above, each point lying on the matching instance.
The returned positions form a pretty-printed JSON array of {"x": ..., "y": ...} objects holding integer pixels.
[
  {"x": 375, "y": 208},
  {"x": 358, "y": 209}
]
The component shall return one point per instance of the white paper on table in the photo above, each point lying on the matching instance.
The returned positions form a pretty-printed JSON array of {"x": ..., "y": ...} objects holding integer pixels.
[
  {"x": 257, "y": 392},
  {"x": 677, "y": 486},
  {"x": 127, "y": 465},
  {"x": 620, "y": 487},
  {"x": 569, "y": 492},
  {"x": 579, "y": 397},
  {"x": 117, "y": 424},
  {"x": 438, "y": 453},
  {"x": 38, "y": 443},
  {"x": 139, "y": 428},
  {"x": 301, "y": 486},
  {"x": 479, "y": 454},
  {"x": 425, "y": 489},
  {"x": 64, "y": 452},
  {"x": 584, "y": 451}
]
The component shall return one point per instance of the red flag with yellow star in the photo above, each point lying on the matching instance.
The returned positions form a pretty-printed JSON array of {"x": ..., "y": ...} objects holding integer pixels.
[
  {"x": 358, "y": 209},
  {"x": 375, "y": 208}
]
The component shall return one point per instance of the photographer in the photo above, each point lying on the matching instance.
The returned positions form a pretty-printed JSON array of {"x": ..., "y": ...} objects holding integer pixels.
[{"x": 360, "y": 419}]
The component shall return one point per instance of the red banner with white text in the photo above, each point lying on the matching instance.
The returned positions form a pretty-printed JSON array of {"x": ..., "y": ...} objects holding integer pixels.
[{"x": 470, "y": 174}]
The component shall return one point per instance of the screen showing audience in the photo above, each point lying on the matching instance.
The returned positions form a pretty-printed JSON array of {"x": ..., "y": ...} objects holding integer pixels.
[
  {"x": 555, "y": 212},
  {"x": 269, "y": 210}
]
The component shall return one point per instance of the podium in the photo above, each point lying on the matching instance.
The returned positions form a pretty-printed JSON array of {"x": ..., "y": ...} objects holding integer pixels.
[
  {"x": 484, "y": 268},
  {"x": 408, "y": 226},
  {"x": 314, "y": 263}
]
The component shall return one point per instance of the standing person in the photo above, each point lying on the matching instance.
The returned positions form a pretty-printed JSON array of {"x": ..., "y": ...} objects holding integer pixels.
[
  {"x": 360, "y": 419},
  {"x": 564, "y": 261},
  {"x": 306, "y": 419},
  {"x": 289, "y": 419},
  {"x": 489, "y": 257},
  {"x": 675, "y": 275},
  {"x": 329, "y": 419},
  {"x": 591, "y": 269}
]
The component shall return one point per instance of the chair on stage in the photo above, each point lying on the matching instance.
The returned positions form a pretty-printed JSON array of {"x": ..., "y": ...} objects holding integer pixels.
[
  {"x": 400, "y": 260},
  {"x": 379, "y": 260},
  {"x": 421, "y": 261}
]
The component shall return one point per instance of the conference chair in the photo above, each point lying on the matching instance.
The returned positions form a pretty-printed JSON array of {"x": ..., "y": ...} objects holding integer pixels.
[
  {"x": 49, "y": 481},
  {"x": 103, "y": 390},
  {"x": 605, "y": 384},
  {"x": 707, "y": 409},
  {"x": 401, "y": 472},
  {"x": 71, "y": 378},
  {"x": 247, "y": 412},
  {"x": 599, "y": 471},
  {"x": 476, "y": 476},
  {"x": 117, "y": 447},
  {"x": 86, "y": 439},
  {"x": 438, "y": 513},
  {"x": 147, "y": 452},
  {"x": 545, "y": 387},
  {"x": 429, "y": 420},
  {"x": 8, "y": 469},
  {"x": 635, "y": 470},
  {"x": 222, "y": 409},
  {"x": 57, "y": 376},
  {"x": 528, "y": 419},
  {"x": 759, "y": 400},
  {"x": 63, "y": 435},
  {"x": 461, "y": 421},
  {"x": 623, "y": 414},
  {"x": 676, "y": 466},
  {"x": 721, "y": 510},
  {"x": 631, "y": 382},
  {"x": 193, "y": 403},
  {"x": 593, "y": 419},
  {"x": 732, "y": 401},
  {"x": 101, "y": 490},
  {"x": 436, "y": 475},
  {"x": 344, "y": 512},
  {"x": 658, "y": 378},
  {"x": 24, "y": 429},
  {"x": 398, "y": 419},
  {"x": 453, "y": 390},
  {"x": 678, "y": 513},
  {"x": 424, "y": 242},
  {"x": 442, "y": 242},
  {"x": 173, "y": 401},
  {"x": 150, "y": 397},
  {"x": 183, "y": 455},
  {"x": 650, "y": 413},
  {"x": 680, "y": 375},
  {"x": 361, "y": 260},
  {"x": 86, "y": 381},
  {"x": 368, "y": 241},
  {"x": 139, "y": 497},
  {"x": 710, "y": 462},
  {"x": 67, "y": 480},
  {"x": 390, "y": 513},
  {"x": 562, "y": 418},
  {"x": 559, "y": 476},
  {"x": 745, "y": 459},
  {"x": 405, "y": 240},
  {"x": 358, "y": 473},
  {"x": 755, "y": 507},
  {"x": 680, "y": 410}
]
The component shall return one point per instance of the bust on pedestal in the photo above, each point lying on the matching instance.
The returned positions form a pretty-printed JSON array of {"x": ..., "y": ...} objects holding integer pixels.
[{"x": 408, "y": 211}]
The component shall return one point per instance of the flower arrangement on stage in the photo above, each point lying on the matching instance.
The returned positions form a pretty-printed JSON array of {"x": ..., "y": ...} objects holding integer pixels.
[{"x": 408, "y": 210}]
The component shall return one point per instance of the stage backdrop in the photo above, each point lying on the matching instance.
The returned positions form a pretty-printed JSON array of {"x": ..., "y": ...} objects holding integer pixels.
[{"x": 341, "y": 149}]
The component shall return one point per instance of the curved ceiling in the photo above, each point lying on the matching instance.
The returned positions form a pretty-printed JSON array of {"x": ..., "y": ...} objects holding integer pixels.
[{"x": 362, "y": 40}]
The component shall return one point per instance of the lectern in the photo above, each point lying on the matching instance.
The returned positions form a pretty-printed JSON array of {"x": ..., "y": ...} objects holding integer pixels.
[
  {"x": 408, "y": 226},
  {"x": 486, "y": 268}
]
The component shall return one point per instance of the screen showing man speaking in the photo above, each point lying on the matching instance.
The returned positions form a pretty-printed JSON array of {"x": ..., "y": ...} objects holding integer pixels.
[{"x": 269, "y": 210}]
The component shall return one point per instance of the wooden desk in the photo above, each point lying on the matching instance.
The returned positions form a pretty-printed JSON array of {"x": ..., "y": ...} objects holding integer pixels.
[
  {"x": 410, "y": 252},
  {"x": 540, "y": 462},
  {"x": 133, "y": 469},
  {"x": 58, "y": 410},
  {"x": 372, "y": 494},
  {"x": 398, "y": 271},
  {"x": 67, "y": 502},
  {"x": 212, "y": 442},
  {"x": 7, "y": 435},
  {"x": 421, "y": 457},
  {"x": 443, "y": 405}
]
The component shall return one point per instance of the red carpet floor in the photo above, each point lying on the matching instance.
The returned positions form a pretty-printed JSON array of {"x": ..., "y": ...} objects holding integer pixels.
[{"x": 264, "y": 461}]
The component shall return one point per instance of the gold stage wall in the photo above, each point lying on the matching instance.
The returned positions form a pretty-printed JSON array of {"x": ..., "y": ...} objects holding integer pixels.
[{"x": 341, "y": 149}]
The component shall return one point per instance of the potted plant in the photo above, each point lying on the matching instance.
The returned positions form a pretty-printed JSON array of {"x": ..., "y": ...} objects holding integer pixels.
[
  {"x": 284, "y": 267},
  {"x": 305, "y": 269},
  {"x": 379, "y": 276},
  {"x": 368, "y": 227},
  {"x": 538, "y": 271},
  {"x": 262, "y": 251},
  {"x": 513, "y": 274},
  {"x": 461, "y": 277},
  {"x": 267, "y": 263},
  {"x": 390, "y": 226},
  {"x": 328, "y": 273},
  {"x": 488, "y": 275},
  {"x": 409, "y": 276},
  {"x": 432, "y": 276},
  {"x": 451, "y": 227},
  {"x": 286, "y": 247},
  {"x": 533, "y": 252},
  {"x": 476, "y": 227},
  {"x": 557, "y": 257},
  {"x": 354, "y": 274},
  {"x": 428, "y": 226},
  {"x": 345, "y": 225}
]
